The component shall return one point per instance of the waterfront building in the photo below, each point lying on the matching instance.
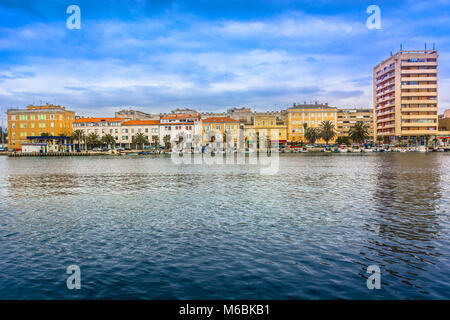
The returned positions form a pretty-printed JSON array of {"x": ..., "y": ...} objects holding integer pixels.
[
  {"x": 180, "y": 127},
  {"x": 224, "y": 127},
  {"x": 312, "y": 114},
  {"x": 103, "y": 126},
  {"x": 405, "y": 96},
  {"x": 346, "y": 119},
  {"x": 36, "y": 120},
  {"x": 270, "y": 124},
  {"x": 149, "y": 128},
  {"x": 44, "y": 144}
]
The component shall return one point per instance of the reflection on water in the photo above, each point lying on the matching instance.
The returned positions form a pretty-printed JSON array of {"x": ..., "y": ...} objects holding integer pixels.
[
  {"x": 142, "y": 227},
  {"x": 407, "y": 199}
]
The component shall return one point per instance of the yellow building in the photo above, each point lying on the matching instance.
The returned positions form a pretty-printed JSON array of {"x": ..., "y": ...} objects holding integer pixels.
[
  {"x": 270, "y": 124},
  {"x": 311, "y": 114},
  {"x": 220, "y": 125},
  {"x": 35, "y": 120}
]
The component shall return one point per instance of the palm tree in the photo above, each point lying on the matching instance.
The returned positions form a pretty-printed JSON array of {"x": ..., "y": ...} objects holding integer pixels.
[
  {"x": 379, "y": 139},
  {"x": 359, "y": 132},
  {"x": 45, "y": 134},
  {"x": 343, "y": 140},
  {"x": 155, "y": 141},
  {"x": 108, "y": 140},
  {"x": 327, "y": 132},
  {"x": 312, "y": 134},
  {"x": 166, "y": 141},
  {"x": 78, "y": 136},
  {"x": 140, "y": 139},
  {"x": 93, "y": 139}
]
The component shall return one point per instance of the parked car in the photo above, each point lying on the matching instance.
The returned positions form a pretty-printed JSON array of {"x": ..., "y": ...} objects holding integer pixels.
[
  {"x": 105, "y": 149},
  {"x": 96, "y": 149}
]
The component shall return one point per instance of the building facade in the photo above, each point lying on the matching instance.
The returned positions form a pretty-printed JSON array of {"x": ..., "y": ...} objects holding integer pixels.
[
  {"x": 222, "y": 128},
  {"x": 346, "y": 119},
  {"x": 101, "y": 127},
  {"x": 49, "y": 119},
  {"x": 149, "y": 128},
  {"x": 310, "y": 114},
  {"x": 270, "y": 124},
  {"x": 405, "y": 93},
  {"x": 135, "y": 115}
]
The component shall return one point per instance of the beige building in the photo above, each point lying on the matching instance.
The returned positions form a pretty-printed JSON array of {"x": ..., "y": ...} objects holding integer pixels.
[
  {"x": 101, "y": 127},
  {"x": 346, "y": 118},
  {"x": 135, "y": 115},
  {"x": 405, "y": 96}
]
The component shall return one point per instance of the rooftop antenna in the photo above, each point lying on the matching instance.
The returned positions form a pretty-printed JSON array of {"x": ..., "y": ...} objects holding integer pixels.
[
  {"x": 425, "y": 46},
  {"x": 401, "y": 46},
  {"x": 434, "y": 47}
]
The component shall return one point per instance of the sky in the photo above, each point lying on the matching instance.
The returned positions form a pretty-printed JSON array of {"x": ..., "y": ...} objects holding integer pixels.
[{"x": 158, "y": 55}]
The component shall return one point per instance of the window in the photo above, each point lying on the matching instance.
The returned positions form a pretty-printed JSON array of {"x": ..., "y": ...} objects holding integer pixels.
[
  {"x": 32, "y": 117},
  {"x": 52, "y": 125},
  {"x": 13, "y": 117}
]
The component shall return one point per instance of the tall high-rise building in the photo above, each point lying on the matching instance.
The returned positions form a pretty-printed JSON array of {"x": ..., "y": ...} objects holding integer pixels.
[{"x": 405, "y": 96}]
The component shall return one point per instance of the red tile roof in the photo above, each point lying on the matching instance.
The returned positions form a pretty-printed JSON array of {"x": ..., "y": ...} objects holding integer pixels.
[
  {"x": 140, "y": 122},
  {"x": 83, "y": 120},
  {"x": 219, "y": 120}
]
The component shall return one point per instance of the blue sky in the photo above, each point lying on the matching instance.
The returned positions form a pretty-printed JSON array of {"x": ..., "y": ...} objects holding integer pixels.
[{"x": 208, "y": 55}]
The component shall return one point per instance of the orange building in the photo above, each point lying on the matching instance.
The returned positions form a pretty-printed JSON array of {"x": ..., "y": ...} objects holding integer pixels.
[{"x": 36, "y": 120}]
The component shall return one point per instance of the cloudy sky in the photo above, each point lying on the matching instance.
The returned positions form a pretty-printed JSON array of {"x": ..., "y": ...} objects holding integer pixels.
[{"x": 208, "y": 55}]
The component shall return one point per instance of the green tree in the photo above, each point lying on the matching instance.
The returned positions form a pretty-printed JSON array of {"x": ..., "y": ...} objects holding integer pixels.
[
  {"x": 166, "y": 140},
  {"x": 140, "y": 140},
  {"x": 155, "y": 142},
  {"x": 78, "y": 136},
  {"x": 327, "y": 131},
  {"x": 343, "y": 140},
  {"x": 379, "y": 140},
  {"x": 45, "y": 134},
  {"x": 93, "y": 140},
  {"x": 312, "y": 135},
  {"x": 108, "y": 140},
  {"x": 359, "y": 132}
]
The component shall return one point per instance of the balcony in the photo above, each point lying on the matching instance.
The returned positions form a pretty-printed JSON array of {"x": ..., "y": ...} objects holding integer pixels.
[
  {"x": 419, "y": 94},
  {"x": 415, "y": 64},
  {"x": 420, "y": 116},
  {"x": 419, "y": 71},
  {"x": 419, "y": 86},
  {"x": 418, "y": 124}
]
